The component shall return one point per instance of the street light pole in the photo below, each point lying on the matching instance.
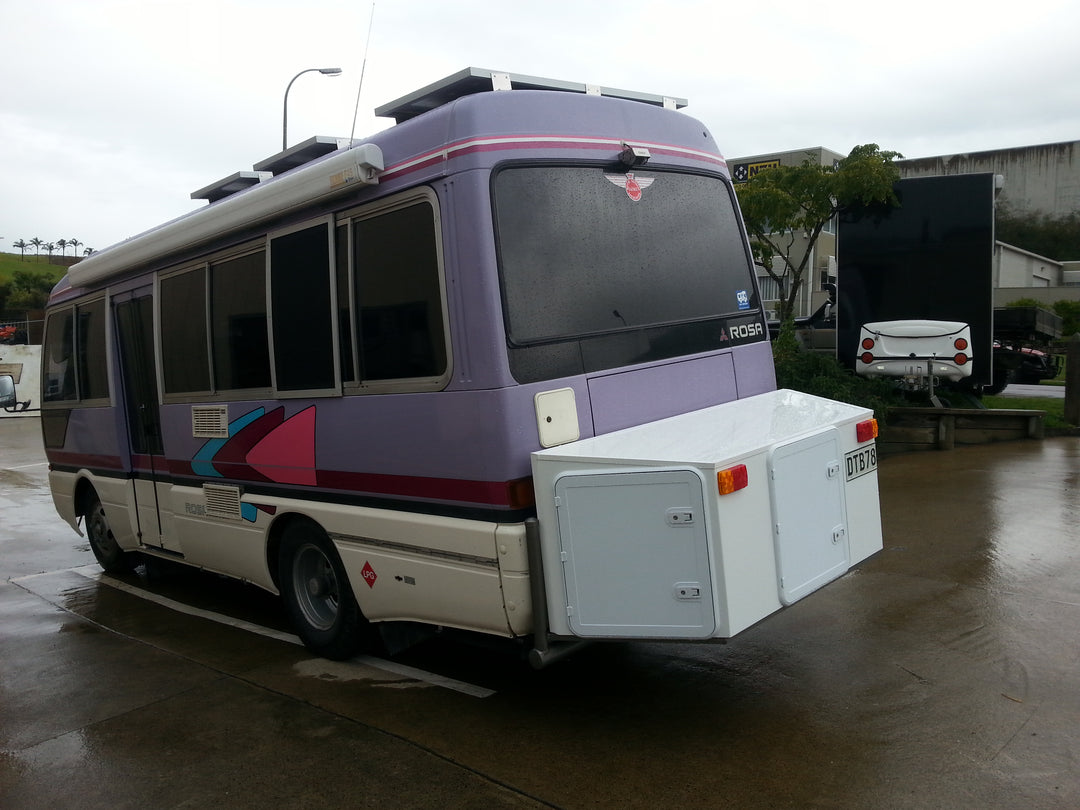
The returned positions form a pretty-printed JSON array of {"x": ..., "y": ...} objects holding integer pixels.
[{"x": 285, "y": 112}]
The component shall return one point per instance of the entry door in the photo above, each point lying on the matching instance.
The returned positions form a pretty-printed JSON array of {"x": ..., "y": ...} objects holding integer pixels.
[{"x": 134, "y": 318}]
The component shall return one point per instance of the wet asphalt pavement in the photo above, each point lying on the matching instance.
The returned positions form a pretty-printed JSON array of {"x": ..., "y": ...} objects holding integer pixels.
[{"x": 941, "y": 673}]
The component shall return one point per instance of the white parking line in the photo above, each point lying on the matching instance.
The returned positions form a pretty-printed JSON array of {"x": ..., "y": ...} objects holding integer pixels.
[{"x": 94, "y": 573}]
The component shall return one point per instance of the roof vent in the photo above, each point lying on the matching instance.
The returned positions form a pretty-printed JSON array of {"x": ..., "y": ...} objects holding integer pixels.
[
  {"x": 230, "y": 185},
  {"x": 302, "y": 153}
]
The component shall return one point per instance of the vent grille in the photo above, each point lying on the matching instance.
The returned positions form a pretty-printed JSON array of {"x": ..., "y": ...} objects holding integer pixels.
[
  {"x": 210, "y": 422},
  {"x": 222, "y": 501}
]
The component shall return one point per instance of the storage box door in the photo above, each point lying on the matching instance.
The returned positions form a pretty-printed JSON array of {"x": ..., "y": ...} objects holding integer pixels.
[
  {"x": 635, "y": 555},
  {"x": 809, "y": 515}
]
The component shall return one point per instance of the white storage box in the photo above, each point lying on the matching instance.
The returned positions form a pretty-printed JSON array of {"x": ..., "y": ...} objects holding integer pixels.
[{"x": 638, "y": 542}]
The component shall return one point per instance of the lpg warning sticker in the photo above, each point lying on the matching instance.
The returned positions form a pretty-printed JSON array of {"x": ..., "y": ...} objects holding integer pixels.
[{"x": 369, "y": 575}]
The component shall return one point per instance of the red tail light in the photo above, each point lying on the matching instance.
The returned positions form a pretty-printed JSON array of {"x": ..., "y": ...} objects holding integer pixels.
[
  {"x": 865, "y": 431},
  {"x": 868, "y": 343},
  {"x": 960, "y": 359},
  {"x": 732, "y": 479},
  {"x": 867, "y": 358},
  {"x": 960, "y": 344}
]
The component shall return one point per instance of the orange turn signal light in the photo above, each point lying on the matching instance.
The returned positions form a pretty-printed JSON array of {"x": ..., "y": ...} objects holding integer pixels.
[{"x": 732, "y": 479}]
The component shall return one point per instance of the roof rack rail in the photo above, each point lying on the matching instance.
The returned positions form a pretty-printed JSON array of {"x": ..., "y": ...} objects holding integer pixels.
[{"x": 479, "y": 80}]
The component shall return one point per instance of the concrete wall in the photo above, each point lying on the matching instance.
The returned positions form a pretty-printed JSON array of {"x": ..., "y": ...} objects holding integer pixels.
[
  {"x": 1037, "y": 178},
  {"x": 24, "y": 364}
]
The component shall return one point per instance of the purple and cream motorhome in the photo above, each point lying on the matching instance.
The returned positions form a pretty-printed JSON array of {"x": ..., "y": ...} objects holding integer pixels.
[{"x": 501, "y": 367}]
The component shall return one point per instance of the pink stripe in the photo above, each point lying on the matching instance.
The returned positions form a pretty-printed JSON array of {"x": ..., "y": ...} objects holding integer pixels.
[{"x": 495, "y": 144}]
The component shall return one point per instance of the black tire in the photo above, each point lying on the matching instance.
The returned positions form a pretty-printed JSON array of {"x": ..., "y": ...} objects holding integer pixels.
[
  {"x": 112, "y": 558},
  {"x": 317, "y": 593}
]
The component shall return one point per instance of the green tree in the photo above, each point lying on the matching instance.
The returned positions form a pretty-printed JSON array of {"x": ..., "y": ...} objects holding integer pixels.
[
  {"x": 22, "y": 245},
  {"x": 50, "y": 248},
  {"x": 74, "y": 246},
  {"x": 784, "y": 202},
  {"x": 37, "y": 243},
  {"x": 30, "y": 290},
  {"x": 1070, "y": 316},
  {"x": 62, "y": 244},
  {"x": 1055, "y": 238}
]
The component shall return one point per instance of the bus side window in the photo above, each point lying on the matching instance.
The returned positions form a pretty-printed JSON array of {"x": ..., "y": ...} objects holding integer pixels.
[
  {"x": 93, "y": 375},
  {"x": 75, "y": 367},
  {"x": 398, "y": 295},
  {"x": 300, "y": 294},
  {"x": 185, "y": 365},
  {"x": 241, "y": 351},
  {"x": 59, "y": 366}
]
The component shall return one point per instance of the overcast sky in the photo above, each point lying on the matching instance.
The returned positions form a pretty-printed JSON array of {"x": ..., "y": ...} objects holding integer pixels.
[{"x": 113, "y": 111}]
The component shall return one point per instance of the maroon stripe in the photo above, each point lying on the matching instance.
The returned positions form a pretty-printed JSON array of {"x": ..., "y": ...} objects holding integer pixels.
[
  {"x": 487, "y": 493},
  {"x": 88, "y": 460},
  {"x": 491, "y": 493}
]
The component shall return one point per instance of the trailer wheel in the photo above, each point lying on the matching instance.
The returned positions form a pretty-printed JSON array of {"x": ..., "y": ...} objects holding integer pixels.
[
  {"x": 112, "y": 558},
  {"x": 317, "y": 593}
]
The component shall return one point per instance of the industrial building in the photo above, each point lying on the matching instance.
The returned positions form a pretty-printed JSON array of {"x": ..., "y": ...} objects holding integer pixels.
[{"x": 1043, "y": 178}]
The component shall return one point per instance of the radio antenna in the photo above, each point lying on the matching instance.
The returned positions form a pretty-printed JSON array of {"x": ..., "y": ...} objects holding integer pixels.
[{"x": 363, "y": 67}]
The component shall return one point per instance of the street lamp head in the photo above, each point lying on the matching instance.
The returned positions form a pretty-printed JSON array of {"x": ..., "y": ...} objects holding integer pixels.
[{"x": 333, "y": 71}]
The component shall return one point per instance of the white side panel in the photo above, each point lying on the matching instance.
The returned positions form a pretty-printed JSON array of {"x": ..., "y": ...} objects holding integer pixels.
[
  {"x": 809, "y": 518},
  {"x": 743, "y": 544}
]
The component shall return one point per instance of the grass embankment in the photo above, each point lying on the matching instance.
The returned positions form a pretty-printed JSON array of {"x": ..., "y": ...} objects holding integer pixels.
[
  {"x": 39, "y": 265},
  {"x": 1054, "y": 423}
]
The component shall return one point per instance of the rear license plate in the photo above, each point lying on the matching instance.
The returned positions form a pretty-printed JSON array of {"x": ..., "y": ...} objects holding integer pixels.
[{"x": 860, "y": 462}]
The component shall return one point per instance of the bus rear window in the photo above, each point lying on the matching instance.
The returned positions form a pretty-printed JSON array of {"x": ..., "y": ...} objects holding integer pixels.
[{"x": 588, "y": 250}]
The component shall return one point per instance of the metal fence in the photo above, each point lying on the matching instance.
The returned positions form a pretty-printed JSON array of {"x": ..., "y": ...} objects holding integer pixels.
[{"x": 21, "y": 327}]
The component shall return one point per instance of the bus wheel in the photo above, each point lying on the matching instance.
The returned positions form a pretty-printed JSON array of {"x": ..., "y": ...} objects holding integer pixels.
[
  {"x": 317, "y": 593},
  {"x": 103, "y": 543}
]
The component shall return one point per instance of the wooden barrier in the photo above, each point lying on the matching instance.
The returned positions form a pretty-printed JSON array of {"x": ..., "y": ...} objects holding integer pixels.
[{"x": 944, "y": 428}]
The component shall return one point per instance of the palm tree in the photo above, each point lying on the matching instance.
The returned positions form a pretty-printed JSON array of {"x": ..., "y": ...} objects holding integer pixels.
[
  {"x": 88, "y": 251},
  {"x": 37, "y": 243},
  {"x": 74, "y": 246},
  {"x": 22, "y": 245},
  {"x": 50, "y": 248},
  {"x": 62, "y": 244}
]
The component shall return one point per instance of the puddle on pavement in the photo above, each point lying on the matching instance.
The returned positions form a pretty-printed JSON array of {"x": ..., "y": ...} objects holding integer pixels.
[
  {"x": 16, "y": 479},
  {"x": 327, "y": 670}
]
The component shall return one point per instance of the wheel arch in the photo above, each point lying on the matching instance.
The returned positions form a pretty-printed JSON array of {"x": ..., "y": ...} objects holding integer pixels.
[
  {"x": 83, "y": 491},
  {"x": 275, "y": 534}
]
